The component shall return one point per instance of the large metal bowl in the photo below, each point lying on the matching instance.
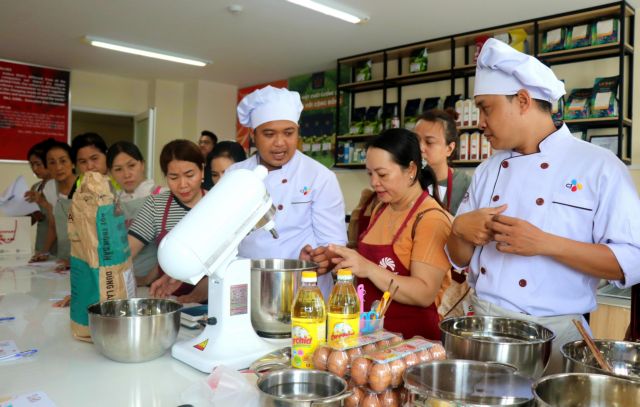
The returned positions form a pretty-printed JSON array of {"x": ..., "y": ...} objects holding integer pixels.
[
  {"x": 624, "y": 358},
  {"x": 274, "y": 283},
  {"x": 301, "y": 388},
  {"x": 134, "y": 330},
  {"x": 522, "y": 344},
  {"x": 585, "y": 389},
  {"x": 452, "y": 383}
]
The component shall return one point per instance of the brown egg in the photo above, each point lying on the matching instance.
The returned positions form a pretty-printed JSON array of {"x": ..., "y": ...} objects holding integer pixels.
[
  {"x": 354, "y": 353},
  {"x": 360, "y": 370},
  {"x": 397, "y": 370},
  {"x": 369, "y": 348},
  {"x": 425, "y": 355},
  {"x": 354, "y": 399},
  {"x": 390, "y": 398},
  {"x": 383, "y": 344},
  {"x": 371, "y": 400},
  {"x": 320, "y": 357},
  {"x": 438, "y": 352},
  {"x": 410, "y": 360},
  {"x": 396, "y": 339},
  {"x": 379, "y": 377},
  {"x": 338, "y": 362}
]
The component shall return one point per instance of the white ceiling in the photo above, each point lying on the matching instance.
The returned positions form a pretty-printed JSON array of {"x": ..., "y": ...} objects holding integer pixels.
[{"x": 268, "y": 40}]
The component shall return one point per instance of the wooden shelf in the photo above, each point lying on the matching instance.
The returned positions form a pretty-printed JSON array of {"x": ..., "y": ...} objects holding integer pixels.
[
  {"x": 350, "y": 165},
  {"x": 466, "y": 163},
  {"x": 600, "y": 122},
  {"x": 468, "y": 128},
  {"x": 373, "y": 56},
  {"x": 469, "y": 39},
  {"x": 432, "y": 46},
  {"x": 421, "y": 77},
  {"x": 584, "y": 53},
  {"x": 354, "y": 136},
  {"x": 546, "y": 24},
  {"x": 373, "y": 84}
]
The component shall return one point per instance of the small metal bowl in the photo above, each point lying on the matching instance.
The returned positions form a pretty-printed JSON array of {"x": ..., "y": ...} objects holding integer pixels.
[
  {"x": 305, "y": 388},
  {"x": 624, "y": 358},
  {"x": 134, "y": 330},
  {"x": 522, "y": 344},
  {"x": 585, "y": 389}
]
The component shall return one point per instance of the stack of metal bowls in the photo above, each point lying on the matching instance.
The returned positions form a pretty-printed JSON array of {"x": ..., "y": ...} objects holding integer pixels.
[
  {"x": 522, "y": 344},
  {"x": 453, "y": 383},
  {"x": 585, "y": 389},
  {"x": 134, "y": 330},
  {"x": 624, "y": 358},
  {"x": 274, "y": 283}
]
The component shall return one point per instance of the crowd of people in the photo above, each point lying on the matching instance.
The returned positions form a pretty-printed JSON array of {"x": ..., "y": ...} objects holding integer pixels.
[{"x": 532, "y": 248}]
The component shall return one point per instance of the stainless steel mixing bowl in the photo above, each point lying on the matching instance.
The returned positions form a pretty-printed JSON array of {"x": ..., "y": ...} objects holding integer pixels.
[
  {"x": 452, "y": 383},
  {"x": 522, "y": 344},
  {"x": 585, "y": 389},
  {"x": 301, "y": 388},
  {"x": 134, "y": 330},
  {"x": 624, "y": 358},
  {"x": 274, "y": 283}
]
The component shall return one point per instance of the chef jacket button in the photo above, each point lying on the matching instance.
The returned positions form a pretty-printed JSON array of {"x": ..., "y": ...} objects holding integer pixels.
[
  {"x": 522, "y": 283},
  {"x": 505, "y": 164},
  {"x": 495, "y": 198},
  {"x": 280, "y": 207},
  {"x": 539, "y": 201},
  {"x": 284, "y": 180},
  {"x": 544, "y": 166},
  {"x": 483, "y": 270}
]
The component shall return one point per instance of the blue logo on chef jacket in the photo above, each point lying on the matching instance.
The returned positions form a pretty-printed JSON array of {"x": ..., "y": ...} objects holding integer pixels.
[{"x": 305, "y": 191}]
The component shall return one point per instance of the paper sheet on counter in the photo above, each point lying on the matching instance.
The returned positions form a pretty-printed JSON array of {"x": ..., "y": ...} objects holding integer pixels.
[
  {"x": 35, "y": 399},
  {"x": 12, "y": 202}
]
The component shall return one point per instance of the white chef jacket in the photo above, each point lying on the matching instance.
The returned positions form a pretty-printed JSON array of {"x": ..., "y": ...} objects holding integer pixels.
[
  {"x": 310, "y": 210},
  {"x": 570, "y": 188}
]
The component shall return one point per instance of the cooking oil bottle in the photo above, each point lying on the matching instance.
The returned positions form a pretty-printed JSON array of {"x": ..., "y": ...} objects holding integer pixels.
[
  {"x": 308, "y": 321},
  {"x": 344, "y": 309}
]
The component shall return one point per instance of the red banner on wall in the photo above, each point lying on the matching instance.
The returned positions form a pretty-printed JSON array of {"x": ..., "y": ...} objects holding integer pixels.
[{"x": 34, "y": 105}]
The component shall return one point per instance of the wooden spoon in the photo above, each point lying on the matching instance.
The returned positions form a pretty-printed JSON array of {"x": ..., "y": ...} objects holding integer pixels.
[{"x": 602, "y": 362}]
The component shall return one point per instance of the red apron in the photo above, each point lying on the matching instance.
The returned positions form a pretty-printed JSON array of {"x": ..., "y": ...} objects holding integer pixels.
[
  {"x": 410, "y": 320},
  {"x": 185, "y": 288},
  {"x": 449, "y": 188},
  {"x": 363, "y": 221}
]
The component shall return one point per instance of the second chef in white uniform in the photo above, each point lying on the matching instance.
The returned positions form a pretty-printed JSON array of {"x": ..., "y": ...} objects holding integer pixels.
[
  {"x": 549, "y": 216},
  {"x": 310, "y": 206}
]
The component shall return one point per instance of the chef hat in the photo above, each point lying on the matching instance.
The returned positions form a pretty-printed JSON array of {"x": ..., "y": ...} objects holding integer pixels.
[
  {"x": 501, "y": 70},
  {"x": 269, "y": 104}
]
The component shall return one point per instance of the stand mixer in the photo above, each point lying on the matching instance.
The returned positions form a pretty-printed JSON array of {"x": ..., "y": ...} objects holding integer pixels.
[{"x": 205, "y": 242}]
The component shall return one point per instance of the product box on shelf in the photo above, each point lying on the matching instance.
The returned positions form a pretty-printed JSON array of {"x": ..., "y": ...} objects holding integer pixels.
[
  {"x": 411, "y": 111},
  {"x": 357, "y": 120},
  {"x": 372, "y": 121},
  {"x": 418, "y": 60},
  {"x": 604, "y": 99},
  {"x": 474, "y": 146},
  {"x": 553, "y": 40},
  {"x": 464, "y": 147},
  {"x": 577, "y": 106},
  {"x": 363, "y": 71}
]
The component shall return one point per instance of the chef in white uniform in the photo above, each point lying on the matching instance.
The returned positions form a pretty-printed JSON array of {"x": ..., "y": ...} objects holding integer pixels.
[
  {"x": 548, "y": 216},
  {"x": 310, "y": 206}
]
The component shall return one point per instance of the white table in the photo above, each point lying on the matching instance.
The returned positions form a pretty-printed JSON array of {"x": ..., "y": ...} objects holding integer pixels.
[{"x": 72, "y": 373}]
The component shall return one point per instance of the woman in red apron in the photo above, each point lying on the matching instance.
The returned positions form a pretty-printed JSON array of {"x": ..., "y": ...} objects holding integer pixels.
[
  {"x": 438, "y": 135},
  {"x": 182, "y": 164},
  {"x": 405, "y": 239}
]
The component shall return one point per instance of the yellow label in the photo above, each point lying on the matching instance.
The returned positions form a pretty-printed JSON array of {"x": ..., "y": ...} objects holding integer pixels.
[
  {"x": 305, "y": 336},
  {"x": 342, "y": 327}
]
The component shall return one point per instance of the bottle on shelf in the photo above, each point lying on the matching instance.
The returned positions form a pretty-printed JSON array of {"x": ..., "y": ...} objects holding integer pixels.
[
  {"x": 308, "y": 321},
  {"x": 343, "y": 309}
]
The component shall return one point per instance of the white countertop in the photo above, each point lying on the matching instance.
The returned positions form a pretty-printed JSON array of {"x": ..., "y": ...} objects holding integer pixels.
[{"x": 71, "y": 372}]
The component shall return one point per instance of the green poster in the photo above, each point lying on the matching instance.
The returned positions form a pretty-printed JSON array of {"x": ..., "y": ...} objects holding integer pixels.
[{"x": 317, "y": 122}]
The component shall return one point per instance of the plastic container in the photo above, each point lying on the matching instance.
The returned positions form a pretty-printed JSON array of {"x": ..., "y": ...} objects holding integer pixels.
[
  {"x": 308, "y": 322},
  {"x": 369, "y": 326}
]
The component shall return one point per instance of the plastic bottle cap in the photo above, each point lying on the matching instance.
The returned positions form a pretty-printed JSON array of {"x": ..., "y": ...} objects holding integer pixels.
[
  {"x": 309, "y": 277},
  {"x": 345, "y": 274}
]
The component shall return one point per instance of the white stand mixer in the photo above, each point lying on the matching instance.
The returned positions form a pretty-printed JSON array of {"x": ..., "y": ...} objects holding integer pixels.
[{"x": 205, "y": 242}]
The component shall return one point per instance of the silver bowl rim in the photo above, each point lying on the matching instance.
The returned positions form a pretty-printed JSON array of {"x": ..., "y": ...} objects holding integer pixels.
[
  {"x": 563, "y": 375},
  {"x": 306, "y": 265},
  {"x": 91, "y": 313},
  {"x": 530, "y": 323},
  {"x": 281, "y": 372},
  {"x": 597, "y": 368}
]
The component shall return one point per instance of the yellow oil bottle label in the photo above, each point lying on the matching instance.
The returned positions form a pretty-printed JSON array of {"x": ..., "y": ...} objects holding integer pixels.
[
  {"x": 342, "y": 327},
  {"x": 306, "y": 336}
]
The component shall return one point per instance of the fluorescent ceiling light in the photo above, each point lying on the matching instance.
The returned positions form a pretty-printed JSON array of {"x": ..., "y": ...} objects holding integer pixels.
[
  {"x": 330, "y": 11},
  {"x": 146, "y": 52}
]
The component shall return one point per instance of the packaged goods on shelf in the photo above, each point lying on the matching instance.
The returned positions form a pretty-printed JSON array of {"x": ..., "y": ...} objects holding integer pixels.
[
  {"x": 479, "y": 42},
  {"x": 450, "y": 101},
  {"x": 605, "y": 31},
  {"x": 469, "y": 105},
  {"x": 363, "y": 71},
  {"x": 372, "y": 122},
  {"x": 553, "y": 40},
  {"x": 464, "y": 147},
  {"x": 474, "y": 146},
  {"x": 485, "y": 148},
  {"x": 604, "y": 101},
  {"x": 411, "y": 111},
  {"x": 418, "y": 61},
  {"x": 578, "y": 36},
  {"x": 577, "y": 106},
  {"x": 475, "y": 115},
  {"x": 518, "y": 40},
  {"x": 431, "y": 103},
  {"x": 460, "y": 113},
  {"x": 557, "y": 109},
  {"x": 389, "y": 114},
  {"x": 579, "y": 134},
  {"x": 357, "y": 120}
]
